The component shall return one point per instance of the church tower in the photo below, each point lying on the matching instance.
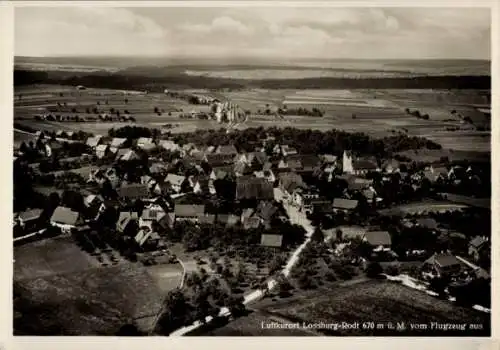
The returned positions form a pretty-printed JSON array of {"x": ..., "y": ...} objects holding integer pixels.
[{"x": 347, "y": 163}]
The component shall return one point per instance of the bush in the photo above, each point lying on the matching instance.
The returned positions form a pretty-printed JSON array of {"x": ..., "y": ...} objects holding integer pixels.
[
  {"x": 393, "y": 270},
  {"x": 374, "y": 270}
]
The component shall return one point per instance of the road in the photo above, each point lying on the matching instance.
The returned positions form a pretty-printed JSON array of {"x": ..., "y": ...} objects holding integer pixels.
[{"x": 296, "y": 217}]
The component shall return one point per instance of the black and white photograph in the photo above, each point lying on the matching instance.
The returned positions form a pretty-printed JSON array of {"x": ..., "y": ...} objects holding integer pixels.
[{"x": 260, "y": 170}]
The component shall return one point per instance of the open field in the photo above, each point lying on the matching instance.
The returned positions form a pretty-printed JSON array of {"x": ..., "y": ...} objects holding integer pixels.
[
  {"x": 78, "y": 296},
  {"x": 377, "y": 112},
  {"x": 424, "y": 207},
  {"x": 378, "y": 301}
]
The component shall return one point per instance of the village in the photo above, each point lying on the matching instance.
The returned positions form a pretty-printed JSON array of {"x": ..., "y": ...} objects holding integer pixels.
[{"x": 153, "y": 199}]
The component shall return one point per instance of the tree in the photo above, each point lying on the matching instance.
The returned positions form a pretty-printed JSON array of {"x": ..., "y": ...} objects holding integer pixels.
[
  {"x": 236, "y": 306},
  {"x": 318, "y": 235},
  {"x": 374, "y": 270}
]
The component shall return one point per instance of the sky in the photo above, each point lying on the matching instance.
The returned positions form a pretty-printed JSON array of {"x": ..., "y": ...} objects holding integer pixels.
[{"x": 267, "y": 32}]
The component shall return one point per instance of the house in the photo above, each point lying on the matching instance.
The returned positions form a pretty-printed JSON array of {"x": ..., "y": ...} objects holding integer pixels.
[
  {"x": 126, "y": 155},
  {"x": 328, "y": 159},
  {"x": 167, "y": 221},
  {"x": 187, "y": 148},
  {"x": 301, "y": 197},
  {"x": 117, "y": 142},
  {"x": 266, "y": 174},
  {"x": 253, "y": 188},
  {"x": 255, "y": 160},
  {"x": 147, "y": 234},
  {"x": 357, "y": 166},
  {"x": 434, "y": 174},
  {"x": 188, "y": 212},
  {"x": 157, "y": 169},
  {"x": 315, "y": 203},
  {"x": 442, "y": 264},
  {"x": 206, "y": 219},
  {"x": 227, "y": 220},
  {"x": 242, "y": 169},
  {"x": 176, "y": 182},
  {"x": 221, "y": 173},
  {"x": 287, "y": 150},
  {"x": 66, "y": 219},
  {"x": 145, "y": 143},
  {"x": 30, "y": 220},
  {"x": 127, "y": 222},
  {"x": 133, "y": 191},
  {"x": 202, "y": 185},
  {"x": 153, "y": 213},
  {"x": 265, "y": 211},
  {"x": 289, "y": 182},
  {"x": 169, "y": 145},
  {"x": 309, "y": 162},
  {"x": 227, "y": 150},
  {"x": 101, "y": 151},
  {"x": 391, "y": 166},
  {"x": 290, "y": 164},
  {"x": 271, "y": 240},
  {"x": 95, "y": 206},
  {"x": 477, "y": 246},
  {"x": 378, "y": 240},
  {"x": 370, "y": 194},
  {"x": 216, "y": 159},
  {"x": 345, "y": 205},
  {"x": 94, "y": 141},
  {"x": 428, "y": 223}
]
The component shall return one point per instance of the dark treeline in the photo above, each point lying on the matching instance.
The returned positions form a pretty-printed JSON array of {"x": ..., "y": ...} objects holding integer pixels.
[{"x": 180, "y": 80}]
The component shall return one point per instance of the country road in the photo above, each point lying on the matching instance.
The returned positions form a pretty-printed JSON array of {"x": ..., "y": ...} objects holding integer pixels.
[
  {"x": 33, "y": 134},
  {"x": 296, "y": 217}
]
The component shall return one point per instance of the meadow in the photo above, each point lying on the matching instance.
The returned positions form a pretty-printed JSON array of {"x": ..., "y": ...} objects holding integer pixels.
[
  {"x": 65, "y": 291},
  {"x": 376, "y": 112}
]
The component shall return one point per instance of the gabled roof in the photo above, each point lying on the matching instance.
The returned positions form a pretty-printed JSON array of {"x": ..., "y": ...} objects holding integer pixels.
[
  {"x": 157, "y": 168},
  {"x": 242, "y": 168},
  {"x": 167, "y": 221},
  {"x": 377, "y": 238},
  {"x": 342, "y": 203},
  {"x": 364, "y": 164},
  {"x": 175, "y": 180},
  {"x": 93, "y": 141},
  {"x": 101, "y": 148},
  {"x": 32, "y": 214},
  {"x": 189, "y": 210},
  {"x": 169, "y": 145},
  {"x": 290, "y": 181},
  {"x": 127, "y": 155},
  {"x": 226, "y": 149},
  {"x": 266, "y": 210},
  {"x": 478, "y": 241},
  {"x": 227, "y": 219},
  {"x": 443, "y": 260},
  {"x": 124, "y": 218},
  {"x": 269, "y": 240},
  {"x": 152, "y": 214},
  {"x": 133, "y": 191},
  {"x": 427, "y": 223},
  {"x": 218, "y": 159},
  {"x": 118, "y": 142},
  {"x": 144, "y": 140},
  {"x": 65, "y": 216},
  {"x": 328, "y": 158},
  {"x": 223, "y": 172},
  {"x": 253, "y": 188},
  {"x": 252, "y": 222},
  {"x": 206, "y": 219}
]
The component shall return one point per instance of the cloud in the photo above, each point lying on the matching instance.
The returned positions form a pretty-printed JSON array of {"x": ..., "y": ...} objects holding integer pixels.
[{"x": 270, "y": 31}]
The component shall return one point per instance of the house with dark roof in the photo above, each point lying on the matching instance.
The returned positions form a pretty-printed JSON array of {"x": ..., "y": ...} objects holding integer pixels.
[
  {"x": 227, "y": 149},
  {"x": 442, "y": 264},
  {"x": 167, "y": 222},
  {"x": 271, "y": 240},
  {"x": 221, "y": 173},
  {"x": 290, "y": 164},
  {"x": 158, "y": 169},
  {"x": 289, "y": 182},
  {"x": 189, "y": 212},
  {"x": 30, "y": 220},
  {"x": 266, "y": 211},
  {"x": 219, "y": 159},
  {"x": 378, "y": 239},
  {"x": 207, "y": 219},
  {"x": 126, "y": 155},
  {"x": 477, "y": 246},
  {"x": 147, "y": 236},
  {"x": 133, "y": 192},
  {"x": 253, "y": 188},
  {"x": 343, "y": 204},
  {"x": 66, "y": 219}
]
